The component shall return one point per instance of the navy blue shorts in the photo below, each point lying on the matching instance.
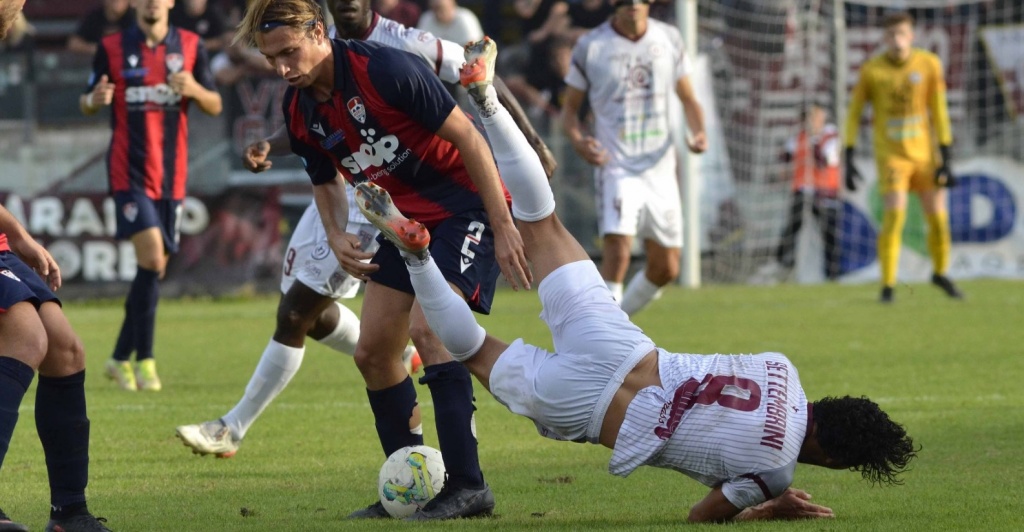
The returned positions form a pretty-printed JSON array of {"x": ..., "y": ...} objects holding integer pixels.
[
  {"x": 137, "y": 212},
  {"x": 463, "y": 249},
  {"x": 19, "y": 283}
]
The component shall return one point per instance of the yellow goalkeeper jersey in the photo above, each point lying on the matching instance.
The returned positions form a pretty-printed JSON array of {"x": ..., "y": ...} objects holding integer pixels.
[{"x": 908, "y": 102}]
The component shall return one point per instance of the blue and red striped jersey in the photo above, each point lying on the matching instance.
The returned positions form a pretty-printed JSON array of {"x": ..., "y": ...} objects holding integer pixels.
[
  {"x": 380, "y": 124},
  {"x": 149, "y": 144}
]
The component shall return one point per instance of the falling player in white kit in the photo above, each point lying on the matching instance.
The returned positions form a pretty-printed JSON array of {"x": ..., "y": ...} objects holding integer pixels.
[
  {"x": 738, "y": 424},
  {"x": 312, "y": 280},
  {"x": 628, "y": 68}
]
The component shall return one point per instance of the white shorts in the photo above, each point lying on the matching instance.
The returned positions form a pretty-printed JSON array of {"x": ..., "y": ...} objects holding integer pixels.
[
  {"x": 567, "y": 393},
  {"x": 645, "y": 205},
  {"x": 310, "y": 261}
]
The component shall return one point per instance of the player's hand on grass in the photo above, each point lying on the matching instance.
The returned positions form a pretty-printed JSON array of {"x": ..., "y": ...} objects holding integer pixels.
[
  {"x": 37, "y": 258},
  {"x": 102, "y": 94},
  {"x": 795, "y": 504},
  {"x": 254, "y": 158},
  {"x": 851, "y": 174},
  {"x": 348, "y": 250}
]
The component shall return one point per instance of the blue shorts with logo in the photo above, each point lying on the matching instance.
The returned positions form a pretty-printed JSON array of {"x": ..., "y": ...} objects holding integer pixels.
[
  {"x": 463, "y": 249},
  {"x": 19, "y": 283},
  {"x": 137, "y": 212}
]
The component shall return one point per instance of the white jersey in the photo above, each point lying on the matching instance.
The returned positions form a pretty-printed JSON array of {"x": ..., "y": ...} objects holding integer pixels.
[
  {"x": 445, "y": 58},
  {"x": 629, "y": 84},
  {"x": 724, "y": 420}
]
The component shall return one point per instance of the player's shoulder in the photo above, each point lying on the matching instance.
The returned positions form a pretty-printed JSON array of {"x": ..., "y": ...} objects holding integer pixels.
[
  {"x": 664, "y": 28},
  {"x": 928, "y": 57},
  {"x": 600, "y": 33}
]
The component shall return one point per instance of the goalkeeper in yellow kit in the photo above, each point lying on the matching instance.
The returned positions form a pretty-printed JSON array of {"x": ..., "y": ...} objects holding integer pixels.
[{"x": 907, "y": 91}]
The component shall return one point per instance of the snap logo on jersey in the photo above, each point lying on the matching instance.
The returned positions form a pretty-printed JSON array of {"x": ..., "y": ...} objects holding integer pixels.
[
  {"x": 161, "y": 94},
  {"x": 357, "y": 109},
  {"x": 373, "y": 154}
]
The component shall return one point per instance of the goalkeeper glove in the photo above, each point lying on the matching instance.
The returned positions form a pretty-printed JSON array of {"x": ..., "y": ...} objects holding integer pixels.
[
  {"x": 852, "y": 175},
  {"x": 943, "y": 176}
]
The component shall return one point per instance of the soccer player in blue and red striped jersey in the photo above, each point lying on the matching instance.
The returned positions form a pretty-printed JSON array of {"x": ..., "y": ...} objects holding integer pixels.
[
  {"x": 361, "y": 111},
  {"x": 36, "y": 336},
  {"x": 148, "y": 74}
]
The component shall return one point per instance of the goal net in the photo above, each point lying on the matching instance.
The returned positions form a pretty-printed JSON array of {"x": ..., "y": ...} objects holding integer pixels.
[{"x": 770, "y": 60}]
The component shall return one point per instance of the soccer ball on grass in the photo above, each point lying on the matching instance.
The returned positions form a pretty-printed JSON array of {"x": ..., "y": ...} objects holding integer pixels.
[{"x": 409, "y": 478}]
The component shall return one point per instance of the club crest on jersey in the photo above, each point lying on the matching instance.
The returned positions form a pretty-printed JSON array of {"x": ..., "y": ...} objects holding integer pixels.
[
  {"x": 133, "y": 60},
  {"x": 175, "y": 62},
  {"x": 8, "y": 273},
  {"x": 357, "y": 109},
  {"x": 321, "y": 251},
  {"x": 915, "y": 77},
  {"x": 130, "y": 211}
]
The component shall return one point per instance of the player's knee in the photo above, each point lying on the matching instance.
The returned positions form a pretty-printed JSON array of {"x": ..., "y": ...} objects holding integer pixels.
[
  {"x": 662, "y": 274},
  {"x": 371, "y": 361},
  {"x": 65, "y": 354},
  {"x": 292, "y": 323}
]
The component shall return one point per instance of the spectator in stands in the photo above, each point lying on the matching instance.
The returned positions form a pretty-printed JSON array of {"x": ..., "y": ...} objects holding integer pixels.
[
  {"x": 585, "y": 15},
  {"x": 814, "y": 153},
  {"x": 448, "y": 21},
  {"x": 112, "y": 17},
  {"x": 204, "y": 19},
  {"x": 540, "y": 22},
  {"x": 402, "y": 11}
]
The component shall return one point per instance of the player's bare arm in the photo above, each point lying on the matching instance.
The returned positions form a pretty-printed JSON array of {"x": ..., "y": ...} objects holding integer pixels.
[
  {"x": 696, "y": 141},
  {"x": 332, "y": 202},
  {"x": 185, "y": 84},
  {"x": 585, "y": 145},
  {"x": 255, "y": 157},
  {"x": 33, "y": 254},
  {"x": 509, "y": 249},
  {"x": 100, "y": 96}
]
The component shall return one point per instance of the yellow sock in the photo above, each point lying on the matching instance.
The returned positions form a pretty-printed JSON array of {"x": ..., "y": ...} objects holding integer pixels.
[
  {"x": 939, "y": 241},
  {"x": 889, "y": 244}
]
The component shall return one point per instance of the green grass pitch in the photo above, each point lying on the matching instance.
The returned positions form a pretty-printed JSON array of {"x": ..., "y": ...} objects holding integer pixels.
[{"x": 951, "y": 372}]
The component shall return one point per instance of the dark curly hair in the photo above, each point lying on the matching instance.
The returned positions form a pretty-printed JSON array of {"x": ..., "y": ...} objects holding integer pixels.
[{"x": 856, "y": 433}]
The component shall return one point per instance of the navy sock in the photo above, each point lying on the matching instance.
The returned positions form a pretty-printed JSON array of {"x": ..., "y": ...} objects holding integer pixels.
[
  {"x": 451, "y": 388},
  {"x": 125, "y": 339},
  {"x": 64, "y": 432},
  {"x": 15, "y": 378},
  {"x": 392, "y": 407},
  {"x": 143, "y": 297}
]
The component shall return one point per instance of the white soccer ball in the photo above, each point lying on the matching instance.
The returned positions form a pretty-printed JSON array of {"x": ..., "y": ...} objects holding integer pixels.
[{"x": 409, "y": 478}]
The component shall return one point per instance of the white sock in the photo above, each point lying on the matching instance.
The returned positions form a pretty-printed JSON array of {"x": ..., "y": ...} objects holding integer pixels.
[
  {"x": 447, "y": 314},
  {"x": 520, "y": 167},
  {"x": 276, "y": 368},
  {"x": 639, "y": 293},
  {"x": 344, "y": 337},
  {"x": 616, "y": 289},
  {"x": 489, "y": 105}
]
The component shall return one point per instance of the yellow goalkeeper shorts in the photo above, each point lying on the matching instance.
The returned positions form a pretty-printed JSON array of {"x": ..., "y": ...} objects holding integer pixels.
[{"x": 897, "y": 174}]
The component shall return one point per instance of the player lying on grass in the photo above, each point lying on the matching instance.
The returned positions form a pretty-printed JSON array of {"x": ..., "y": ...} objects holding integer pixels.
[{"x": 738, "y": 424}]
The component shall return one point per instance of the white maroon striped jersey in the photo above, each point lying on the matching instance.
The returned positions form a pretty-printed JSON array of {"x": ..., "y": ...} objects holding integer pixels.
[
  {"x": 732, "y": 420},
  {"x": 629, "y": 84}
]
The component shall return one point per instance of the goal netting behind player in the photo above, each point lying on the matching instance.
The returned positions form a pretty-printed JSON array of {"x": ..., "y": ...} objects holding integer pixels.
[{"x": 769, "y": 59}]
